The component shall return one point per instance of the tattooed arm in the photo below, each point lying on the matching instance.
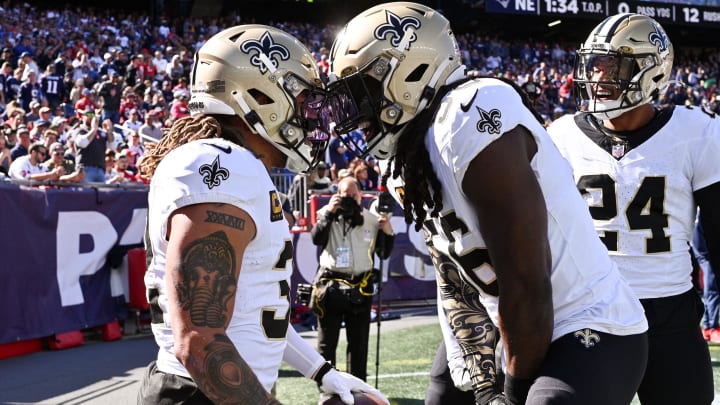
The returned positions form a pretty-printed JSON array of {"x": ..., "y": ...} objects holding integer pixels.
[
  {"x": 206, "y": 243},
  {"x": 471, "y": 327}
]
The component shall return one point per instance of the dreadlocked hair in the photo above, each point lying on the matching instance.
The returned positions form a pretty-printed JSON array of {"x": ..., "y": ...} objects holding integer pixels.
[
  {"x": 189, "y": 129},
  {"x": 386, "y": 174},
  {"x": 183, "y": 130},
  {"x": 412, "y": 161}
]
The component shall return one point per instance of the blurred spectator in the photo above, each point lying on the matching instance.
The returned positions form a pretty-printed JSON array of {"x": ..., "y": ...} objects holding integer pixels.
[
  {"x": 152, "y": 127},
  {"x": 160, "y": 64},
  {"x": 5, "y": 73},
  {"x": 16, "y": 115},
  {"x": 167, "y": 91},
  {"x": 711, "y": 292},
  {"x": 13, "y": 83},
  {"x": 179, "y": 107},
  {"x": 107, "y": 67},
  {"x": 175, "y": 69},
  {"x": 33, "y": 112},
  {"x": 134, "y": 123},
  {"x": 181, "y": 85},
  {"x": 360, "y": 172},
  {"x": 86, "y": 104},
  {"x": 6, "y": 57},
  {"x": 52, "y": 87},
  {"x": 23, "y": 143},
  {"x": 110, "y": 95},
  {"x": 91, "y": 142},
  {"x": 30, "y": 90},
  {"x": 336, "y": 155},
  {"x": 135, "y": 148},
  {"x": 59, "y": 126},
  {"x": 38, "y": 131},
  {"x": 28, "y": 167},
  {"x": 45, "y": 113},
  {"x": 110, "y": 159},
  {"x": 119, "y": 174},
  {"x": 27, "y": 62},
  {"x": 57, "y": 159},
  {"x": 135, "y": 72},
  {"x": 128, "y": 104},
  {"x": 5, "y": 157},
  {"x": 320, "y": 181}
]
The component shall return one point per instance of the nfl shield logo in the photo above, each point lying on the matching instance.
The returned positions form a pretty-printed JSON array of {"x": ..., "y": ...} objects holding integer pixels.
[{"x": 618, "y": 150}]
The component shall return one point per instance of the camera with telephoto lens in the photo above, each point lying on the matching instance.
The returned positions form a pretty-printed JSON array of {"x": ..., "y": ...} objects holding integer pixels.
[
  {"x": 303, "y": 294},
  {"x": 350, "y": 211},
  {"x": 386, "y": 203}
]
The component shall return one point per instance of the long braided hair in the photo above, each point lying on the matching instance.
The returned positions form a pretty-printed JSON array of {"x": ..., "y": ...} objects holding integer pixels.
[
  {"x": 188, "y": 129},
  {"x": 412, "y": 160}
]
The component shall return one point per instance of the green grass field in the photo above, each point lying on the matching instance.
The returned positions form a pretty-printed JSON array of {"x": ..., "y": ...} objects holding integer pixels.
[{"x": 405, "y": 359}]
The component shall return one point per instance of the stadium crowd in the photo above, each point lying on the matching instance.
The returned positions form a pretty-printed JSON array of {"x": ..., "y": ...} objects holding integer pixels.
[{"x": 57, "y": 65}]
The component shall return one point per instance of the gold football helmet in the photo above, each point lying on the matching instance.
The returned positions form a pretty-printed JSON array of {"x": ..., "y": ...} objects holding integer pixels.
[
  {"x": 257, "y": 72},
  {"x": 385, "y": 67},
  {"x": 625, "y": 62}
]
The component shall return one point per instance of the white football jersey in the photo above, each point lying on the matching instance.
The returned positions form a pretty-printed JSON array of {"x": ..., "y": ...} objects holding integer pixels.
[
  {"x": 588, "y": 291},
  {"x": 217, "y": 171},
  {"x": 640, "y": 190}
]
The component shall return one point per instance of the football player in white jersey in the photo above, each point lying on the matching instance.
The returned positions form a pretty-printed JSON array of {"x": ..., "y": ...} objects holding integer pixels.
[
  {"x": 643, "y": 171},
  {"x": 218, "y": 280},
  {"x": 511, "y": 238}
]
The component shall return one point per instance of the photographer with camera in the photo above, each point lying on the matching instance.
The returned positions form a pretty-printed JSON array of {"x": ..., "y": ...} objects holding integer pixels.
[{"x": 350, "y": 236}]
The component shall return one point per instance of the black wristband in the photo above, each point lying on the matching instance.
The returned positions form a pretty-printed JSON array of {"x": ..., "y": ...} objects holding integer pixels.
[
  {"x": 516, "y": 389},
  {"x": 320, "y": 373},
  {"x": 484, "y": 395}
]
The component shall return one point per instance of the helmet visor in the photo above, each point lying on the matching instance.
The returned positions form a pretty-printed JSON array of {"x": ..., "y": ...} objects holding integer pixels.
[
  {"x": 304, "y": 129},
  {"x": 604, "y": 75},
  {"x": 357, "y": 101}
]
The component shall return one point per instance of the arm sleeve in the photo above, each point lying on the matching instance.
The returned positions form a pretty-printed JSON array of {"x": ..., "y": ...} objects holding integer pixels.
[
  {"x": 301, "y": 356},
  {"x": 452, "y": 348},
  {"x": 708, "y": 199}
]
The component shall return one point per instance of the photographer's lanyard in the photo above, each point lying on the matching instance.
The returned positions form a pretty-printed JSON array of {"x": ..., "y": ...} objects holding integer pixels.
[{"x": 342, "y": 253}]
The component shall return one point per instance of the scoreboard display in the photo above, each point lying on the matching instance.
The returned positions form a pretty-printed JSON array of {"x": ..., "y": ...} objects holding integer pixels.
[{"x": 664, "y": 13}]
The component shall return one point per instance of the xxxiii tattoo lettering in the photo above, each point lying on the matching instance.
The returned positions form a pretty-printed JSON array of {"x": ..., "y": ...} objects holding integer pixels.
[{"x": 225, "y": 219}]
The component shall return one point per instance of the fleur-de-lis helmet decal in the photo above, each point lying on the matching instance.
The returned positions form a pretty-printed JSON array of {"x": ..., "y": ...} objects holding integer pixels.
[
  {"x": 659, "y": 38},
  {"x": 395, "y": 29},
  {"x": 265, "y": 47},
  {"x": 213, "y": 174},
  {"x": 257, "y": 73}
]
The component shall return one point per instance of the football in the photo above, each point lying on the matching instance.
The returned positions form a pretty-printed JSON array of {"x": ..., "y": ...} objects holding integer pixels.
[{"x": 361, "y": 398}]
